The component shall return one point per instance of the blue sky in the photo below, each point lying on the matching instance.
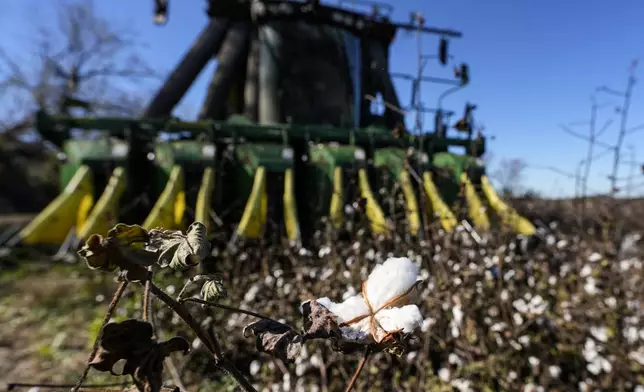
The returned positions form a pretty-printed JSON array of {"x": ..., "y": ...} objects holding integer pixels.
[{"x": 533, "y": 63}]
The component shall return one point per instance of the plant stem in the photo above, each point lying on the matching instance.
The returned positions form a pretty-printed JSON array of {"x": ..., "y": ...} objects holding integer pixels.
[
  {"x": 212, "y": 345},
  {"x": 363, "y": 361},
  {"x": 108, "y": 315},
  {"x": 232, "y": 309}
]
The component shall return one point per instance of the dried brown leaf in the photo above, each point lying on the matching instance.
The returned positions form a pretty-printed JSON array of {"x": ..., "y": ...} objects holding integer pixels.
[
  {"x": 132, "y": 341},
  {"x": 275, "y": 339},
  {"x": 122, "y": 248},
  {"x": 319, "y": 322},
  {"x": 180, "y": 251}
]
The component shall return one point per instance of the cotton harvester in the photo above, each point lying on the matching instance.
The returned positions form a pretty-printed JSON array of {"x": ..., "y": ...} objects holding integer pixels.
[{"x": 285, "y": 137}]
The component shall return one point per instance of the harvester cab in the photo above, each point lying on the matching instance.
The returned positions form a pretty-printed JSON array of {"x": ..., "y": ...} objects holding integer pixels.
[{"x": 285, "y": 136}]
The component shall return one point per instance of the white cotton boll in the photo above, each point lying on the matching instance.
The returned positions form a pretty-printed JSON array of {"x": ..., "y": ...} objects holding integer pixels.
[
  {"x": 639, "y": 388},
  {"x": 637, "y": 356},
  {"x": 595, "y": 257},
  {"x": 530, "y": 388},
  {"x": 630, "y": 333},
  {"x": 498, "y": 327},
  {"x": 512, "y": 375},
  {"x": 611, "y": 302},
  {"x": 444, "y": 374},
  {"x": 518, "y": 320},
  {"x": 606, "y": 365},
  {"x": 590, "y": 286},
  {"x": 457, "y": 313},
  {"x": 251, "y": 293},
  {"x": 594, "y": 367},
  {"x": 406, "y": 318},
  {"x": 315, "y": 360},
  {"x": 462, "y": 385},
  {"x": 390, "y": 279},
  {"x": 554, "y": 371},
  {"x": 428, "y": 323},
  {"x": 326, "y": 273},
  {"x": 300, "y": 369},
  {"x": 454, "y": 359},
  {"x": 255, "y": 366},
  {"x": 325, "y": 250},
  {"x": 534, "y": 361},
  {"x": 520, "y": 305},
  {"x": 531, "y": 281},
  {"x": 586, "y": 271},
  {"x": 590, "y": 350},
  {"x": 600, "y": 333},
  {"x": 351, "y": 308},
  {"x": 286, "y": 382}
]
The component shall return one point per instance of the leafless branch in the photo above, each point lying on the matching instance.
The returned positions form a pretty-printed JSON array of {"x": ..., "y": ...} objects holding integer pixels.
[
  {"x": 82, "y": 55},
  {"x": 582, "y": 137}
]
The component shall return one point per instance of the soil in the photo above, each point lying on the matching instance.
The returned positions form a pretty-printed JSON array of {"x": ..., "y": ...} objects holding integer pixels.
[{"x": 45, "y": 312}]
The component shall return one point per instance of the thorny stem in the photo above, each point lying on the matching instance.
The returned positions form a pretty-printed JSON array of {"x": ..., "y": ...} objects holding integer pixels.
[
  {"x": 363, "y": 361},
  {"x": 211, "y": 344},
  {"x": 232, "y": 309},
  {"x": 108, "y": 315}
]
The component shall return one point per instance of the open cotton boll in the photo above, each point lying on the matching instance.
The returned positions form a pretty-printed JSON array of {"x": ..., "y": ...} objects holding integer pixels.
[
  {"x": 349, "y": 309},
  {"x": 390, "y": 279},
  {"x": 406, "y": 318}
]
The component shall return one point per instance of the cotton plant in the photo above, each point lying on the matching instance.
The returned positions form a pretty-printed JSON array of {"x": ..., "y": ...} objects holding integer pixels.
[
  {"x": 381, "y": 308},
  {"x": 379, "y": 318}
]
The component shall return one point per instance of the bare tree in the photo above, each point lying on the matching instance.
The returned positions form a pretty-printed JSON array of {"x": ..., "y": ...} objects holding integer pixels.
[
  {"x": 623, "y": 110},
  {"x": 79, "y": 59},
  {"x": 82, "y": 61},
  {"x": 509, "y": 175}
]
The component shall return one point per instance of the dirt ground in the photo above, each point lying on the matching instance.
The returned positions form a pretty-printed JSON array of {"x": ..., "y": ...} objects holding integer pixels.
[{"x": 38, "y": 305}]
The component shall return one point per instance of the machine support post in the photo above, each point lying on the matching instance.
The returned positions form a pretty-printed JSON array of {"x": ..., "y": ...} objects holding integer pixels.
[
  {"x": 269, "y": 65},
  {"x": 230, "y": 58},
  {"x": 205, "y": 47}
]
